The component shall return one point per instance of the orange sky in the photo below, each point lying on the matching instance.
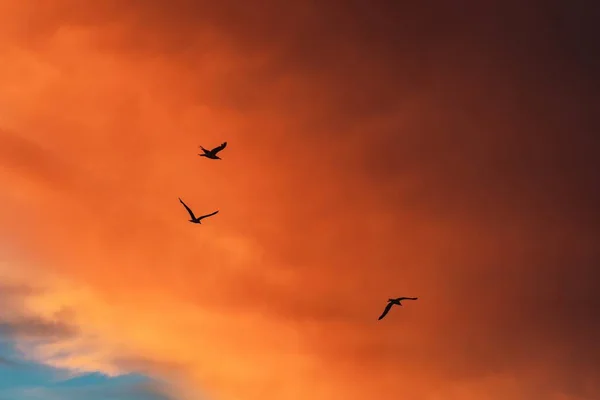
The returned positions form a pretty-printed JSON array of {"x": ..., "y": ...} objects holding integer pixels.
[{"x": 374, "y": 151}]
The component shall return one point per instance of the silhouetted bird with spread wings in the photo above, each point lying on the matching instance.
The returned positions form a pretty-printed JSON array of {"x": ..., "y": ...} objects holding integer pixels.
[
  {"x": 212, "y": 154},
  {"x": 391, "y": 302},
  {"x": 196, "y": 220}
]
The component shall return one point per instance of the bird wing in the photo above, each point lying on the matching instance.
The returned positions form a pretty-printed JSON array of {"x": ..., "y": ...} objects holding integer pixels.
[
  {"x": 188, "y": 209},
  {"x": 208, "y": 215},
  {"x": 219, "y": 148},
  {"x": 387, "y": 309},
  {"x": 407, "y": 298}
]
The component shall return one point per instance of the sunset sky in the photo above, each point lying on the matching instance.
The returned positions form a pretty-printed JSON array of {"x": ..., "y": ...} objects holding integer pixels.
[{"x": 447, "y": 150}]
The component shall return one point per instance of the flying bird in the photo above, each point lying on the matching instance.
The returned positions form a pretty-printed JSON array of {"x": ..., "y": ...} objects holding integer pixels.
[
  {"x": 196, "y": 220},
  {"x": 391, "y": 302},
  {"x": 212, "y": 154}
]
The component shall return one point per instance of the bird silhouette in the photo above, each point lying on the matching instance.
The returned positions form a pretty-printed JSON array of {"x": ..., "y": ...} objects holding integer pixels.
[
  {"x": 196, "y": 220},
  {"x": 212, "y": 154},
  {"x": 391, "y": 302}
]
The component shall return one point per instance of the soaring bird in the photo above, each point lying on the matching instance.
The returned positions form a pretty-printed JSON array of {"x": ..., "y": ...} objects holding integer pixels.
[
  {"x": 198, "y": 219},
  {"x": 213, "y": 153},
  {"x": 391, "y": 302}
]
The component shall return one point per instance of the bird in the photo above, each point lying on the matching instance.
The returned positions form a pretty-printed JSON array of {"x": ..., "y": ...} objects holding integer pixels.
[
  {"x": 391, "y": 302},
  {"x": 196, "y": 220},
  {"x": 212, "y": 154}
]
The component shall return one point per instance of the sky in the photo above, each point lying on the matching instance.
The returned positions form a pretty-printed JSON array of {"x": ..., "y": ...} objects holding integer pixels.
[{"x": 443, "y": 150}]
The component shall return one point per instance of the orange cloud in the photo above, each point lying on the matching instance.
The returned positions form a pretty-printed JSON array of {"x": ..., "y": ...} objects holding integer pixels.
[{"x": 370, "y": 155}]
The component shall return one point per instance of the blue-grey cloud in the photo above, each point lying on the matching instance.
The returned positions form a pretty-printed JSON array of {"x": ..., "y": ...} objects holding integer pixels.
[{"x": 6, "y": 362}]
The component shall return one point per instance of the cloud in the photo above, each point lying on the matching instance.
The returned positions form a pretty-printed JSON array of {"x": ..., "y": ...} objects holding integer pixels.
[
  {"x": 98, "y": 391},
  {"x": 151, "y": 367},
  {"x": 32, "y": 160},
  {"x": 36, "y": 328},
  {"x": 7, "y": 362},
  {"x": 26, "y": 379},
  {"x": 375, "y": 150},
  {"x": 13, "y": 294}
]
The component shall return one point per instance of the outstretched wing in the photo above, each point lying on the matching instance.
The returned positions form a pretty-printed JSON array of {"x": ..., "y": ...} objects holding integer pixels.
[
  {"x": 204, "y": 152},
  {"x": 387, "y": 309},
  {"x": 188, "y": 209},
  {"x": 219, "y": 148},
  {"x": 208, "y": 215},
  {"x": 407, "y": 298}
]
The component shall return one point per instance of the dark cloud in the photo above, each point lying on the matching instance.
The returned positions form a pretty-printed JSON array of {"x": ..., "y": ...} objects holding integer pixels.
[
  {"x": 32, "y": 160},
  {"x": 36, "y": 328},
  {"x": 17, "y": 290},
  {"x": 7, "y": 362},
  {"x": 13, "y": 295},
  {"x": 468, "y": 133}
]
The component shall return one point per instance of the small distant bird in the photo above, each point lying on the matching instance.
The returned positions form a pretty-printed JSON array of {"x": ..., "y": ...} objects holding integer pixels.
[
  {"x": 194, "y": 219},
  {"x": 391, "y": 302},
  {"x": 213, "y": 153}
]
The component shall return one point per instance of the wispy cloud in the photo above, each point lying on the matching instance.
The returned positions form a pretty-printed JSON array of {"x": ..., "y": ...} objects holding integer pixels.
[
  {"x": 150, "y": 366},
  {"x": 7, "y": 362},
  {"x": 28, "y": 380},
  {"x": 16, "y": 290},
  {"x": 32, "y": 161},
  {"x": 37, "y": 328}
]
